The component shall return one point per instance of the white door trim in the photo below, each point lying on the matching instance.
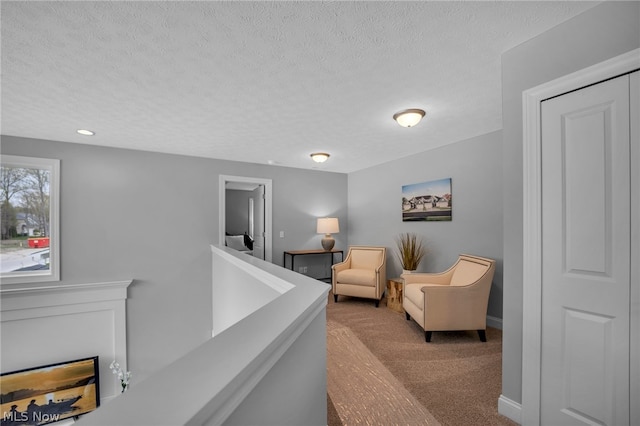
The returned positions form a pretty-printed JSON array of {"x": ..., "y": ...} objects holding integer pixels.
[
  {"x": 634, "y": 330},
  {"x": 532, "y": 214},
  {"x": 268, "y": 206}
]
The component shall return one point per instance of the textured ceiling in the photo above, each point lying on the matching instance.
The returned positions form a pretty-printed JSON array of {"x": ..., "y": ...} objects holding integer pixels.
[{"x": 263, "y": 82}]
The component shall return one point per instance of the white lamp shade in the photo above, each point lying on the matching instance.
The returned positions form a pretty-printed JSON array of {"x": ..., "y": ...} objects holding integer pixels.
[
  {"x": 328, "y": 225},
  {"x": 409, "y": 117}
]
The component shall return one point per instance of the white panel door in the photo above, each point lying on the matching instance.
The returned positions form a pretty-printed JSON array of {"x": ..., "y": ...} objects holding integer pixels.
[{"x": 586, "y": 225}]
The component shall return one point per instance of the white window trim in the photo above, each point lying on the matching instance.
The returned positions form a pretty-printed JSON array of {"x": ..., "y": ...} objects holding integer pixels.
[{"x": 53, "y": 273}]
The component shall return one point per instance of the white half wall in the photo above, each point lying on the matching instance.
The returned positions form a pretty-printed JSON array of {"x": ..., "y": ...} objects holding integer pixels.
[
  {"x": 266, "y": 365},
  {"x": 47, "y": 324},
  {"x": 240, "y": 288}
]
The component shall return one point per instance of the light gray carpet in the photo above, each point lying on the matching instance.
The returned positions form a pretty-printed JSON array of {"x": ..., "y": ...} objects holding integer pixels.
[
  {"x": 375, "y": 395},
  {"x": 456, "y": 378}
]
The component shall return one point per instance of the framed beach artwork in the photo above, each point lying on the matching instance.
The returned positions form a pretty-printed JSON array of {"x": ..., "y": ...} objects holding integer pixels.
[
  {"x": 427, "y": 201},
  {"x": 50, "y": 393}
]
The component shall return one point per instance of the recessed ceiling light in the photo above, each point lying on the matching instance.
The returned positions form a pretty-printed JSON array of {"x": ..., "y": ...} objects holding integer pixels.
[{"x": 85, "y": 132}]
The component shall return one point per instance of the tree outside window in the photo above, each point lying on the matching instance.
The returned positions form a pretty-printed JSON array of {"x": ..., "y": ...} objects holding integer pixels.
[{"x": 28, "y": 219}]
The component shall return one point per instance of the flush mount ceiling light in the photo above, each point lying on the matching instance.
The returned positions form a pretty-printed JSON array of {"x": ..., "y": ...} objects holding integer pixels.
[
  {"x": 320, "y": 157},
  {"x": 85, "y": 132},
  {"x": 409, "y": 117}
]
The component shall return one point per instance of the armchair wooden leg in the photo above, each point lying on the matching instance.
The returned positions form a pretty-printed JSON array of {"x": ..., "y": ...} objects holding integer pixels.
[
  {"x": 427, "y": 336},
  {"x": 378, "y": 301},
  {"x": 335, "y": 298},
  {"x": 406, "y": 314},
  {"x": 483, "y": 335}
]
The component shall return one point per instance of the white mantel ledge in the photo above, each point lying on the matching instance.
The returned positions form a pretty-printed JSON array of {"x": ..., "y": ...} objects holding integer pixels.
[{"x": 38, "y": 295}]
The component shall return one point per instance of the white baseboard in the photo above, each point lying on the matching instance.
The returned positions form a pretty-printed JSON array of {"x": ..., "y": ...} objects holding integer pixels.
[
  {"x": 494, "y": 322},
  {"x": 510, "y": 409}
]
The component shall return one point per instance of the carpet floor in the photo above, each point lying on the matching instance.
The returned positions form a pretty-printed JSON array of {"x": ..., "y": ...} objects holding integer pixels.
[{"x": 380, "y": 371}]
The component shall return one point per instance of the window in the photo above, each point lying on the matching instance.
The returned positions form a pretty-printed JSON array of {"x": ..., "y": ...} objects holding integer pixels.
[{"x": 29, "y": 215}]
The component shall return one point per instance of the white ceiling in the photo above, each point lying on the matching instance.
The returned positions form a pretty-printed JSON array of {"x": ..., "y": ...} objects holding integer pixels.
[{"x": 263, "y": 82}]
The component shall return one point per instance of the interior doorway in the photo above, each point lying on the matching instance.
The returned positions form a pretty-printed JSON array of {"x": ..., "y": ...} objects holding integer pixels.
[{"x": 258, "y": 210}]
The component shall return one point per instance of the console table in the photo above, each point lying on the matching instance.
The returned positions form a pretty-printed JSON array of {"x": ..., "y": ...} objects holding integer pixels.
[{"x": 294, "y": 253}]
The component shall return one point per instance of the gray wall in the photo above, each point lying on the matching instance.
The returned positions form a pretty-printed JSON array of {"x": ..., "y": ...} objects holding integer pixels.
[
  {"x": 151, "y": 217},
  {"x": 475, "y": 167},
  {"x": 600, "y": 33}
]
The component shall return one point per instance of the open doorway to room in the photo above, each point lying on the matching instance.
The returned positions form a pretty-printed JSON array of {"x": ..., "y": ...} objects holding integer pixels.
[{"x": 245, "y": 211}]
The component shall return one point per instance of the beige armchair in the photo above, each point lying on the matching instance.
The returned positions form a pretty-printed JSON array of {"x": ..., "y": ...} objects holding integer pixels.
[
  {"x": 456, "y": 299},
  {"x": 362, "y": 274}
]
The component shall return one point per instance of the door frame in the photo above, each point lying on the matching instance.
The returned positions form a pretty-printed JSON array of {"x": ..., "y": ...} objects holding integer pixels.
[
  {"x": 532, "y": 218},
  {"x": 268, "y": 207}
]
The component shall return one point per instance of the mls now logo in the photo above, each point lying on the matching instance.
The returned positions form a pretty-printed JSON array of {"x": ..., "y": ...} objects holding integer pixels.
[{"x": 35, "y": 417}]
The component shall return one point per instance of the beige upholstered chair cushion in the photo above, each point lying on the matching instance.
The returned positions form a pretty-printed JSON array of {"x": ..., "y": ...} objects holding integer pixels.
[
  {"x": 466, "y": 273},
  {"x": 357, "y": 277},
  {"x": 415, "y": 295},
  {"x": 366, "y": 259}
]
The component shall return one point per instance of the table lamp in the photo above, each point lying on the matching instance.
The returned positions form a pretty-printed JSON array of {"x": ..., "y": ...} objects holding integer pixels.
[{"x": 328, "y": 226}]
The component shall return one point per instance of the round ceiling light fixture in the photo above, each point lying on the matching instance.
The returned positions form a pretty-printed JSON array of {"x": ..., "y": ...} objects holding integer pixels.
[
  {"x": 320, "y": 157},
  {"x": 409, "y": 117},
  {"x": 85, "y": 132}
]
